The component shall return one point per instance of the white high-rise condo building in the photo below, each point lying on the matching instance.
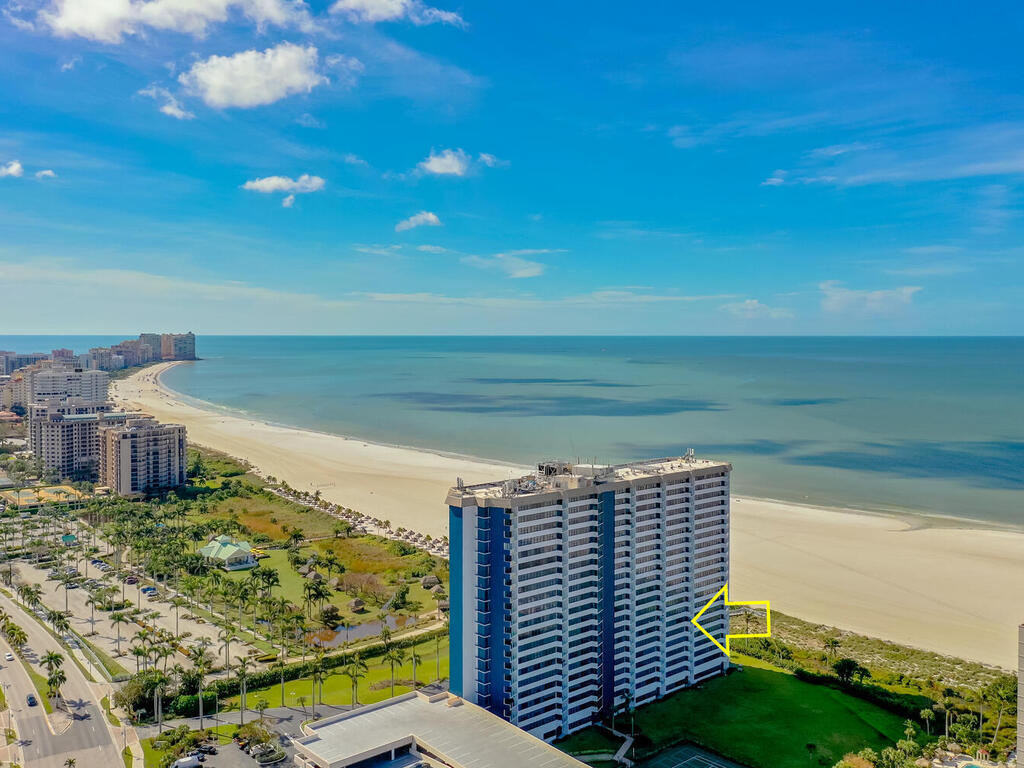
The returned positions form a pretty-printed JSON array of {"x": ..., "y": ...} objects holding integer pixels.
[{"x": 572, "y": 589}]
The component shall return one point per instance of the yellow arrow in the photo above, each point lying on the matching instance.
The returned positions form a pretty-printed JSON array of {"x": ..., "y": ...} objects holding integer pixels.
[{"x": 724, "y": 594}]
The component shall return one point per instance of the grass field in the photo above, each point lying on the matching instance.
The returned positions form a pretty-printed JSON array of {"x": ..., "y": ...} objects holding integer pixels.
[
  {"x": 337, "y": 689},
  {"x": 766, "y": 718},
  {"x": 362, "y": 552}
]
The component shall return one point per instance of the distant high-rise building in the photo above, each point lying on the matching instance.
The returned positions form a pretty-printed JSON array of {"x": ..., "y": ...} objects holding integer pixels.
[
  {"x": 572, "y": 589},
  {"x": 64, "y": 435},
  {"x": 62, "y": 354},
  {"x": 12, "y": 361},
  {"x": 142, "y": 456},
  {"x": 178, "y": 346},
  {"x": 153, "y": 341}
]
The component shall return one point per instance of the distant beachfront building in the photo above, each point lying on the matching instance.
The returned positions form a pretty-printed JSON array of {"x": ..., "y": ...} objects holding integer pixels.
[
  {"x": 12, "y": 361},
  {"x": 142, "y": 456},
  {"x": 153, "y": 343},
  {"x": 65, "y": 435},
  {"x": 178, "y": 346},
  {"x": 229, "y": 553},
  {"x": 572, "y": 589}
]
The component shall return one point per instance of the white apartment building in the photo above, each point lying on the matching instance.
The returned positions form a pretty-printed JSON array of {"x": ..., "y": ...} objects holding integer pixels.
[
  {"x": 141, "y": 456},
  {"x": 64, "y": 435},
  {"x": 60, "y": 381},
  {"x": 572, "y": 589},
  {"x": 48, "y": 380}
]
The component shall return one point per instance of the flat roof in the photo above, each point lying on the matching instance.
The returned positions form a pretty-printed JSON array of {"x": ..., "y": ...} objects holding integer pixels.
[
  {"x": 555, "y": 476},
  {"x": 455, "y": 731}
]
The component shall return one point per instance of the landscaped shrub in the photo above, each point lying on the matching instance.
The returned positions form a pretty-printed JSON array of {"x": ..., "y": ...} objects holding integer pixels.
[{"x": 187, "y": 705}]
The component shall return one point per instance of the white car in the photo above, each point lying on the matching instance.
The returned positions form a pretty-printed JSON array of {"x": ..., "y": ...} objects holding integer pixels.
[{"x": 9, "y": 656}]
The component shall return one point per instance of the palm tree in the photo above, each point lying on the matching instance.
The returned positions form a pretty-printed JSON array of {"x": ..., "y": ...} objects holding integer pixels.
[
  {"x": 416, "y": 659},
  {"x": 280, "y": 666},
  {"x": 394, "y": 656},
  {"x": 225, "y": 636},
  {"x": 301, "y": 701},
  {"x": 52, "y": 660},
  {"x": 1003, "y": 691},
  {"x": 831, "y": 646},
  {"x": 242, "y": 673},
  {"x": 177, "y": 602},
  {"x": 437, "y": 651},
  {"x": 201, "y": 663},
  {"x": 91, "y": 601},
  {"x": 117, "y": 619},
  {"x": 54, "y": 681},
  {"x": 70, "y": 763},
  {"x": 318, "y": 671},
  {"x": 927, "y": 715},
  {"x": 16, "y": 636},
  {"x": 261, "y": 707},
  {"x": 354, "y": 671}
]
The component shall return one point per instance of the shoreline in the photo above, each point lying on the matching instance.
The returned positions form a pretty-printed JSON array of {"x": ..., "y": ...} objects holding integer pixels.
[{"x": 924, "y": 581}]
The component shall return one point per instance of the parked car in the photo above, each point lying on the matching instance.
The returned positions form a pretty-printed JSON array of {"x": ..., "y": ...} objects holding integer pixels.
[
  {"x": 207, "y": 749},
  {"x": 130, "y": 580}
]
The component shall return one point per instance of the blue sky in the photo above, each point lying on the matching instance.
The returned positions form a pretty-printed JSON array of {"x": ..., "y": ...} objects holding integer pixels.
[{"x": 364, "y": 166}]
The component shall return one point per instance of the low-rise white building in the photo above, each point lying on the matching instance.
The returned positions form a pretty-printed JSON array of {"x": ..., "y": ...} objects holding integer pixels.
[{"x": 427, "y": 727}]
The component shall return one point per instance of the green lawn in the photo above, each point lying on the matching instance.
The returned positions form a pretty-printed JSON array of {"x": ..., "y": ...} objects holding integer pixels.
[
  {"x": 337, "y": 689},
  {"x": 765, "y": 718},
  {"x": 113, "y": 668},
  {"x": 420, "y": 600},
  {"x": 111, "y": 717},
  {"x": 592, "y": 741}
]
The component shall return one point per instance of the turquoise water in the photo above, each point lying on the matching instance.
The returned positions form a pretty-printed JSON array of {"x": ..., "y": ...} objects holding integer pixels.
[{"x": 930, "y": 425}]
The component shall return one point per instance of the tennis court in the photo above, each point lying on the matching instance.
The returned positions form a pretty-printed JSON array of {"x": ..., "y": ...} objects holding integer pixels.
[{"x": 688, "y": 757}]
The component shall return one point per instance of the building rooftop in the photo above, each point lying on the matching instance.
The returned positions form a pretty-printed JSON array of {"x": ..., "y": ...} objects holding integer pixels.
[
  {"x": 554, "y": 476},
  {"x": 457, "y": 733}
]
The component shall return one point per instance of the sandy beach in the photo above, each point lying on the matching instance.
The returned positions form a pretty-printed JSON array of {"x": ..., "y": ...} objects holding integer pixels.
[{"x": 945, "y": 586}]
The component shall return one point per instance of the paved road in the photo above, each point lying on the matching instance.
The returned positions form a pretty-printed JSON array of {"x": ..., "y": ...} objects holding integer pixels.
[{"x": 88, "y": 739}]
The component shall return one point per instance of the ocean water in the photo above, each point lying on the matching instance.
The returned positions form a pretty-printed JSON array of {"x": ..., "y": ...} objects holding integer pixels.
[{"x": 921, "y": 425}]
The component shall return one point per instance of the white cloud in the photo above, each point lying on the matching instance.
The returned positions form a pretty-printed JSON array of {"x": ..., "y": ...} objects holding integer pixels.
[
  {"x": 839, "y": 149},
  {"x": 351, "y": 159},
  {"x": 71, "y": 63},
  {"x": 485, "y": 158},
  {"x": 171, "y": 106},
  {"x": 837, "y": 299},
  {"x": 449, "y": 162},
  {"x": 306, "y": 120},
  {"x": 378, "y": 250},
  {"x": 13, "y": 168},
  {"x": 271, "y": 184},
  {"x": 752, "y": 309},
  {"x": 46, "y": 174},
  {"x": 421, "y": 219},
  {"x": 776, "y": 179},
  {"x": 372, "y": 11},
  {"x": 511, "y": 264},
  {"x": 431, "y": 249},
  {"x": 288, "y": 201},
  {"x": 254, "y": 78},
  {"x": 109, "y": 21},
  {"x": 932, "y": 250},
  {"x": 930, "y": 270}
]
